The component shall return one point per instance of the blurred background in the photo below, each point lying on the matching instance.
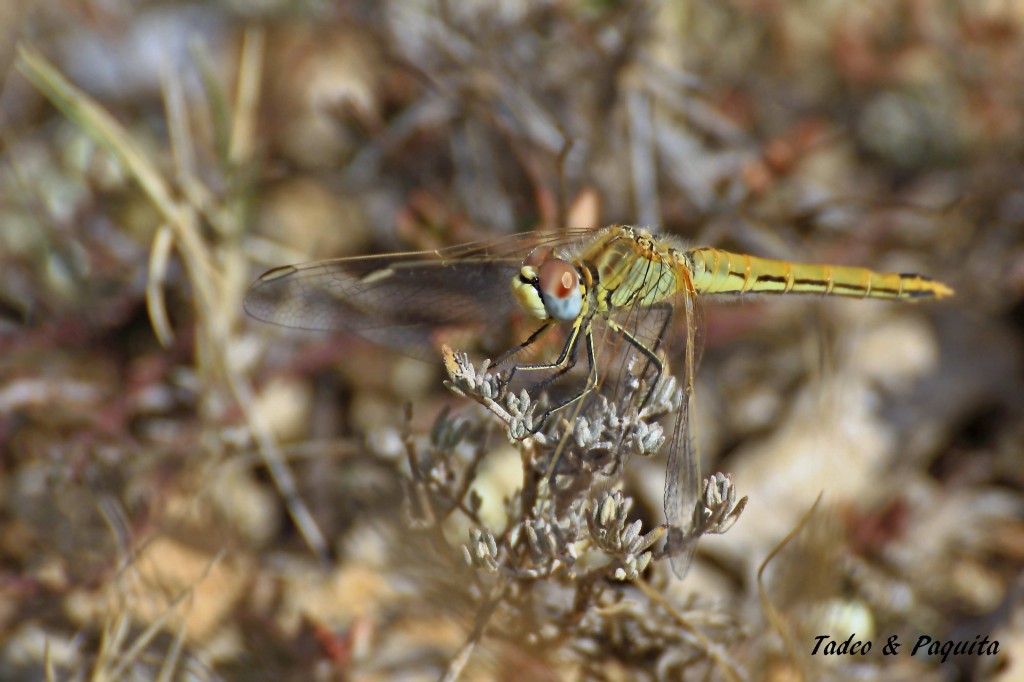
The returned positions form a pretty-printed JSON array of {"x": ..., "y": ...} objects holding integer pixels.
[{"x": 158, "y": 156}]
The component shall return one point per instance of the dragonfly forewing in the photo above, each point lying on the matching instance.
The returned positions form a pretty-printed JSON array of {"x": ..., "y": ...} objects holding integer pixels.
[
  {"x": 399, "y": 302},
  {"x": 402, "y": 300}
]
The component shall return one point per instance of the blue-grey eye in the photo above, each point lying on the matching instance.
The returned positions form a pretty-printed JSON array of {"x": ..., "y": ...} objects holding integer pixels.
[{"x": 559, "y": 285}]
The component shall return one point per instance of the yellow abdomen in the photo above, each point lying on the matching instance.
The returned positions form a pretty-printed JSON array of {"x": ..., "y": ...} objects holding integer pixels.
[{"x": 714, "y": 271}]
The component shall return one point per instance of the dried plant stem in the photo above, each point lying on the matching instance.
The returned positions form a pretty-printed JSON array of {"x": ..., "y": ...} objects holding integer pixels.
[
  {"x": 770, "y": 612},
  {"x": 711, "y": 649},
  {"x": 461, "y": 658},
  {"x": 247, "y": 97},
  {"x": 182, "y": 220}
]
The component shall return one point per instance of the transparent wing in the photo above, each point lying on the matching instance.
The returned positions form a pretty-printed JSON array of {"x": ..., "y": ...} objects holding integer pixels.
[
  {"x": 673, "y": 331},
  {"x": 401, "y": 300},
  {"x": 682, "y": 472},
  {"x": 396, "y": 304}
]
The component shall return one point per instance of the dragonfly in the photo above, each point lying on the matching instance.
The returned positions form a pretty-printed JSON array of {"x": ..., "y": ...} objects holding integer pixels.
[{"x": 618, "y": 286}]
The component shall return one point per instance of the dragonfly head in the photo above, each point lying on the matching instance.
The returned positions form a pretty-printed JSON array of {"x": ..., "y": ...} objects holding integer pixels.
[{"x": 549, "y": 290}]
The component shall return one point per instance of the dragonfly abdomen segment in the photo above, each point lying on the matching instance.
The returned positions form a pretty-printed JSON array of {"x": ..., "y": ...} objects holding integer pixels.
[{"x": 720, "y": 272}]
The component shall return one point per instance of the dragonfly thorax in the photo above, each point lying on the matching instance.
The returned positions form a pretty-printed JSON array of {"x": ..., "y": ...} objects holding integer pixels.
[{"x": 551, "y": 290}]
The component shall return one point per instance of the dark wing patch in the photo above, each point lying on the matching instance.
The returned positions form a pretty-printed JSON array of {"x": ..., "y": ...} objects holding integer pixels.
[{"x": 397, "y": 301}]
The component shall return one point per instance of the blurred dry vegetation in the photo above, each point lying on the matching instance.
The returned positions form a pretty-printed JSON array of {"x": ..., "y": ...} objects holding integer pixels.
[{"x": 188, "y": 494}]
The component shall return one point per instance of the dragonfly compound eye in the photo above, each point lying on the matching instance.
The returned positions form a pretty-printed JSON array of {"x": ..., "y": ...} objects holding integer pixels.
[
  {"x": 527, "y": 293},
  {"x": 559, "y": 286}
]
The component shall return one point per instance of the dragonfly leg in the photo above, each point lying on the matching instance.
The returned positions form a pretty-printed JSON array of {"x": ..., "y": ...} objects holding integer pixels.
[
  {"x": 569, "y": 364},
  {"x": 658, "y": 362},
  {"x": 652, "y": 358},
  {"x": 507, "y": 355},
  {"x": 566, "y": 359},
  {"x": 668, "y": 310},
  {"x": 590, "y": 385}
]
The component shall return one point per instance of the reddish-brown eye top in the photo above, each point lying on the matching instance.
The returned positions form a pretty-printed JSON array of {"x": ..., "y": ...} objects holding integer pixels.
[
  {"x": 557, "y": 278},
  {"x": 538, "y": 256}
]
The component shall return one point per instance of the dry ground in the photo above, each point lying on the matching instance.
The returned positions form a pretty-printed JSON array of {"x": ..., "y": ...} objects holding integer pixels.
[{"x": 188, "y": 494}]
